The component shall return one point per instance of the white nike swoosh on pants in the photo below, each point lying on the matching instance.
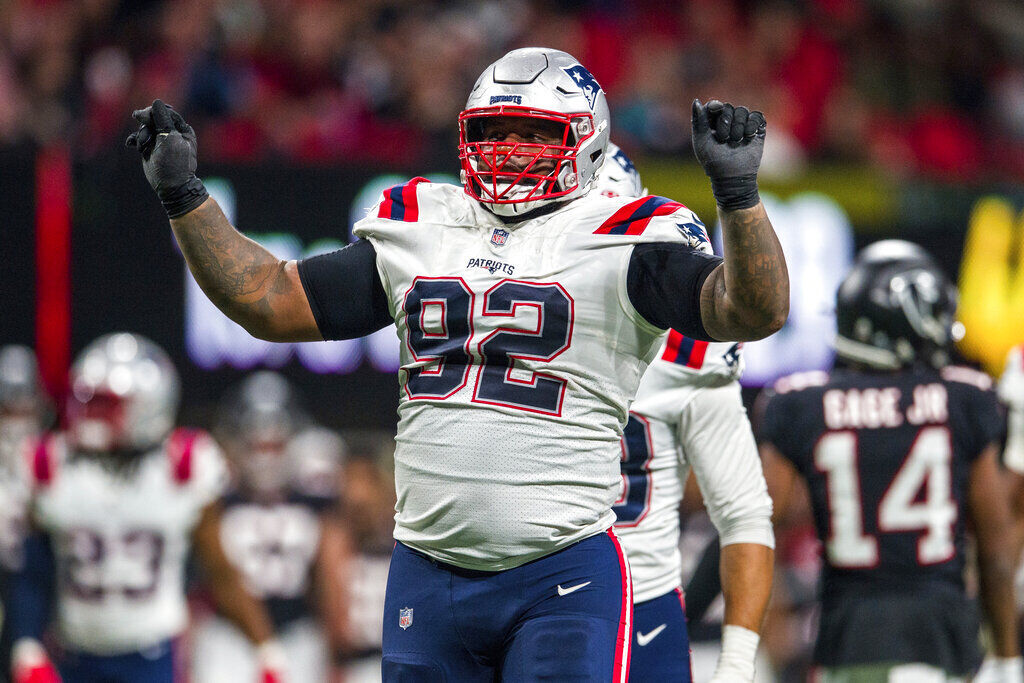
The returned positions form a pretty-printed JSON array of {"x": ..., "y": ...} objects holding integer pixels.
[
  {"x": 572, "y": 589},
  {"x": 643, "y": 638}
]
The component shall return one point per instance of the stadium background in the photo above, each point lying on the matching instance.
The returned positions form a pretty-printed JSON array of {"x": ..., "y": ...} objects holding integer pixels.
[{"x": 886, "y": 118}]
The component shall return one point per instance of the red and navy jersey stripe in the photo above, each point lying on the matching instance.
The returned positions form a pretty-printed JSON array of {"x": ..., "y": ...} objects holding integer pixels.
[
  {"x": 180, "y": 447},
  {"x": 682, "y": 350},
  {"x": 43, "y": 461},
  {"x": 632, "y": 219},
  {"x": 400, "y": 203}
]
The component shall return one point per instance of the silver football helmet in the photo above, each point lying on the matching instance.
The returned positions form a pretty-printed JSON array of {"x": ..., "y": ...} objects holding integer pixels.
[
  {"x": 124, "y": 395},
  {"x": 617, "y": 176},
  {"x": 24, "y": 406},
  {"x": 514, "y": 178},
  {"x": 316, "y": 456},
  {"x": 255, "y": 423}
]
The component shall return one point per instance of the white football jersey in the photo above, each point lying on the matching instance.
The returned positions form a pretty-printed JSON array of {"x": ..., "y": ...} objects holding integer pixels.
[
  {"x": 520, "y": 353},
  {"x": 14, "y": 497},
  {"x": 1011, "y": 393},
  {"x": 688, "y": 413},
  {"x": 120, "y": 538},
  {"x": 15, "y": 486}
]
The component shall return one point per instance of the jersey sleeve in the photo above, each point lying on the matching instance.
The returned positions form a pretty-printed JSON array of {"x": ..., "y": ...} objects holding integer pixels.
[
  {"x": 987, "y": 420},
  {"x": 718, "y": 444},
  {"x": 209, "y": 477},
  {"x": 1011, "y": 393},
  {"x": 664, "y": 282},
  {"x": 345, "y": 292},
  {"x": 668, "y": 265},
  {"x": 773, "y": 426}
]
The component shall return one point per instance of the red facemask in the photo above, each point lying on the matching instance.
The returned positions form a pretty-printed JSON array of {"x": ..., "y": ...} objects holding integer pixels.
[
  {"x": 507, "y": 172},
  {"x": 98, "y": 424}
]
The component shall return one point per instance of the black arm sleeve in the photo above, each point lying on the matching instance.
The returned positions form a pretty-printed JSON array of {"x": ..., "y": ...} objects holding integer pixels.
[
  {"x": 664, "y": 282},
  {"x": 705, "y": 584},
  {"x": 345, "y": 292}
]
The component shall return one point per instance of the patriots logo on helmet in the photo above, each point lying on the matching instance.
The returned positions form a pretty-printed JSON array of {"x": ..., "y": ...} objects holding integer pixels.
[
  {"x": 624, "y": 161},
  {"x": 694, "y": 230},
  {"x": 586, "y": 82}
]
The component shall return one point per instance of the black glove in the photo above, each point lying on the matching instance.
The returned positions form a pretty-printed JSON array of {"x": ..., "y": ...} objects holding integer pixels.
[
  {"x": 168, "y": 147},
  {"x": 728, "y": 142}
]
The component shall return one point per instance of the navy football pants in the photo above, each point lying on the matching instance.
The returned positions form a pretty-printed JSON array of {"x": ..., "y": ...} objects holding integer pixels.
[
  {"x": 563, "y": 617},
  {"x": 155, "y": 665},
  {"x": 661, "y": 641}
]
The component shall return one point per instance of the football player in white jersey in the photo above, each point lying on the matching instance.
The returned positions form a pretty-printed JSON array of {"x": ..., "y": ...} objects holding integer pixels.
[
  {"x": 24, "y": 414},
  {"x": 280, "y": 529},
  {"x": 528, "y": 306},
  {"x": 118, "y": 502},
  {"x": 688, "y": 413},
  {"x": 1011, "y": 394}
]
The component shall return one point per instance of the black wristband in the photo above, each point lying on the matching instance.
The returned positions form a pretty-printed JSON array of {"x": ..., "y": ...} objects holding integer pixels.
[
  {"x": 736, "y": 193},
  {"x": 185, "y": 198}
]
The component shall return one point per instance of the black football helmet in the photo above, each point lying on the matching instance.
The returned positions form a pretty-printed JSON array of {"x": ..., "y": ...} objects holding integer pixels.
[{"x": 895, "y": 309}]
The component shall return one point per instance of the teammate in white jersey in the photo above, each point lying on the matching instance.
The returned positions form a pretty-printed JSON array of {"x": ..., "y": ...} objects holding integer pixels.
[
  {"x": 1011, "y": 394},
  {"x": 528, "y": 307},
  {"x": 688, "y": 413},
  {"x": 118, "y": 501},
  {"x": 280, "y": 528},
  {"x": 24, "y": 414}
]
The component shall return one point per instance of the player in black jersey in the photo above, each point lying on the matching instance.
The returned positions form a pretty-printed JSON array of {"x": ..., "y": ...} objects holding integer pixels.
[{"x": 899, "y": 452}]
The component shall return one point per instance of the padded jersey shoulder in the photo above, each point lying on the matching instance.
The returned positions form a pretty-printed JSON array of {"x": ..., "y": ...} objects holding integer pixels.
[
  {"x": 637, "y": 219},
  {"x": 702, "y": 358},
  {"x": 421, "y": 201}
]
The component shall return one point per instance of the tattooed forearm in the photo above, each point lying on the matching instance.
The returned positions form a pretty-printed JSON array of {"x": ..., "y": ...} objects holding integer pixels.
[
  {"x": 747, "y": 297},
  {"x": 244, "y": 280}
]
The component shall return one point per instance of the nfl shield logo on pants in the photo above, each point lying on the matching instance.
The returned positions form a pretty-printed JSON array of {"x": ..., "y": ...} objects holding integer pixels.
[
  {"x": 405, "y": 617},
  {"x": 498, "y": 237}
]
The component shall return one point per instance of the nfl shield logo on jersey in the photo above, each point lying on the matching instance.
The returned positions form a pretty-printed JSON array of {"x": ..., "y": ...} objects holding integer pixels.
[
  {"x": 499, "y": 237},
  {"x": 405, "y": 617}
]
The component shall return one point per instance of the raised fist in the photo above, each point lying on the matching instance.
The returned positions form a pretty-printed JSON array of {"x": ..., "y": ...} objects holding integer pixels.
[
  {"x": 169, "y": 151},
  {"x": 728, "y": 142}
]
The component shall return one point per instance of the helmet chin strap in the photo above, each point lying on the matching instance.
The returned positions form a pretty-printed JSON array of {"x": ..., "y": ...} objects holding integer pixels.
[
  {"x": 519, "y": 209},
  {"x": 535, "y": 212},
  {"x": 526, "y": 209}
]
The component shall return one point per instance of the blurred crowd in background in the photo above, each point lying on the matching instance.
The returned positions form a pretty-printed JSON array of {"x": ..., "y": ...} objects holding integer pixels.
[{"x": 924, "y": 87}]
